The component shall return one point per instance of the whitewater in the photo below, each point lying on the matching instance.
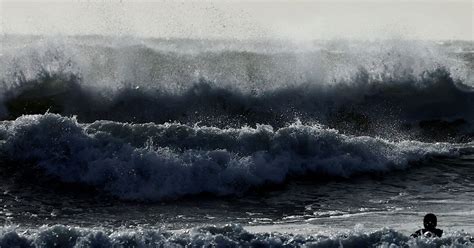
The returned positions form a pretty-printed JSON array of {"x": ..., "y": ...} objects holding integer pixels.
[{"x": 133, "y": 142}]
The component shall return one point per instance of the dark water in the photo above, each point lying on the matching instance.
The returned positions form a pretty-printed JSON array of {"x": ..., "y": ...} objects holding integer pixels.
[{"x": 443, "y": 186}]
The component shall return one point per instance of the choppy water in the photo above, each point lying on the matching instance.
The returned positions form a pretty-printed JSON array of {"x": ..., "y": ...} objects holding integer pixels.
[{"x": 107, "y": 140}]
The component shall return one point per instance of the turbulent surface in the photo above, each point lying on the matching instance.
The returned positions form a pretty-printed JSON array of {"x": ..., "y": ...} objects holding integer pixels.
[
  {"x": 151, "y": 162},
  {"x": 227, "y": 236}
]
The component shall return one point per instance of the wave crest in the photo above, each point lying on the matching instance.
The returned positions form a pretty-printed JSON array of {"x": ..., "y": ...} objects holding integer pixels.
[
  {"x": 406, "y": 89},
  {"x": 154, "y": 162}
]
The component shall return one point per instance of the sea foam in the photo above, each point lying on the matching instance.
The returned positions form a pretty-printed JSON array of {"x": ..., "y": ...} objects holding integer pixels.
[{"x": 212, "y": 236}]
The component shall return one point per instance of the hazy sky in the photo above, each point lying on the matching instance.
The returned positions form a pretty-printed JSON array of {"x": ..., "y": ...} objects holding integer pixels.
[{"x": 244, "y": 19}]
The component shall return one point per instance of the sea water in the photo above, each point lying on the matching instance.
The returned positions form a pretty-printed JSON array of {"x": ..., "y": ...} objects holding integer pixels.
[{"x": 131, "y": 142}]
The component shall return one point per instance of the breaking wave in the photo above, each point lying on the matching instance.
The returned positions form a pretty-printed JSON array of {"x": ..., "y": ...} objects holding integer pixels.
[
  {"x": 401, "y": 90},
  {"x": 166, "y": 161},
  {"x": 211, "y": 236},
  {"x": 226, "y": 118}
]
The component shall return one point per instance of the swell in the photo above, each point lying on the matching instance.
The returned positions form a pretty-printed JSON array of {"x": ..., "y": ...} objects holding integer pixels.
[
  {"x": 210, "y": 236},
  {"x": 152, "y": 162}
]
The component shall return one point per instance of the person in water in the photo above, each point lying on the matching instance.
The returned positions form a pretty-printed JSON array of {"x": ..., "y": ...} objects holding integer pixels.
[{"x": 430, "y": 230}]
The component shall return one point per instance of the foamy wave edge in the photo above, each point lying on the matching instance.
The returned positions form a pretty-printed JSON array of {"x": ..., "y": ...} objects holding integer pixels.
[
  {"x": 212, "y": 236},
  {"x": 162, "y": 161}
]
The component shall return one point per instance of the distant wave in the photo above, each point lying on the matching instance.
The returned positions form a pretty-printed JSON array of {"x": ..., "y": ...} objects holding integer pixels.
[
  {"x": 397, "y": 91},
  {"x": 211, "y": 236},
  {"x": 163, "y": 161}
]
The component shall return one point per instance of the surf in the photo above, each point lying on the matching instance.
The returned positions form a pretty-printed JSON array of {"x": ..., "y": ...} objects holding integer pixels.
[
  {"x": 232, "y": 235},
  {"x": 395, "y": 91}
]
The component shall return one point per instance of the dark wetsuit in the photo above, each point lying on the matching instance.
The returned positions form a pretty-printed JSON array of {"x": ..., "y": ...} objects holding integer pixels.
[{"x": 437, "y": 232}]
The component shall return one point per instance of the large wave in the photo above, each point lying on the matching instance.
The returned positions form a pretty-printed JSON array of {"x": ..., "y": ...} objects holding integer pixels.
[
  {"x": 162, "y": 161},
  {"x": 211, "y": 236},
  {"x": 226, "y": 118},
  {"x": 396, "y": 90}
]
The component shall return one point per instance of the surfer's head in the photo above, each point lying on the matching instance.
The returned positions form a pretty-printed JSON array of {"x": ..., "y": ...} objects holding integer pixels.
[{"x": 430, "y": 221}]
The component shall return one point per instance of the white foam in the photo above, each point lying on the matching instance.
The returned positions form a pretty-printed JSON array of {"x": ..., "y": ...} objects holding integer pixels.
[{"x": 211, "y": 236}]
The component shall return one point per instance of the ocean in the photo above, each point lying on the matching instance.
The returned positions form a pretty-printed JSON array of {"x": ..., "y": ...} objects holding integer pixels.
[{"x": 135, "y": 142}]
